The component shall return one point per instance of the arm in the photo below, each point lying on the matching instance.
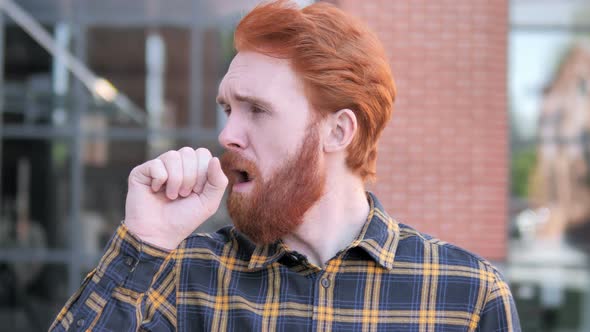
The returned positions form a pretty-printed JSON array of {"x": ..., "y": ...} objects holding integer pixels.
[
  {"x": 127, "y": 290},
  {"x": 134, "y": 283},
  {"x": 499, "y": 312}
]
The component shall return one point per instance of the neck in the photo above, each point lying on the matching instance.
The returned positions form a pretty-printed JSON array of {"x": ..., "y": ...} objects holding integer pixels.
[{"x": 333, "y": 222}]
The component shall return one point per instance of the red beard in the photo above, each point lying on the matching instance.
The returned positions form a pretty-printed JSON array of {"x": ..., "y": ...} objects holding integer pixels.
[{"x": 275, "y": 208}]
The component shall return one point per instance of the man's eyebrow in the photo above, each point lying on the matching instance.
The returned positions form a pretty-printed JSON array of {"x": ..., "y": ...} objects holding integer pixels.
[
  {"x": 219, "y": 100},
  {"x": 247, "y": 99}
]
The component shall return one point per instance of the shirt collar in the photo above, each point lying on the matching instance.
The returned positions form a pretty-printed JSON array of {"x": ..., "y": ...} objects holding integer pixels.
[
  {"x": 264, "y": 255},
  {"x": 380, "y": 234},
  {"x": 379, "y": 238}
]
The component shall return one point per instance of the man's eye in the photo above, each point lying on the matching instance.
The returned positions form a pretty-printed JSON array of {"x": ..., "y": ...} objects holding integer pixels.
[
  {"x": 227, "y": 111},
  {"x": 256, "y": 109}
]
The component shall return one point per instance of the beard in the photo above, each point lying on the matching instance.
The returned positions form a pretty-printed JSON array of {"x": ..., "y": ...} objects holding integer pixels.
[{"x": 275, "y": 208}]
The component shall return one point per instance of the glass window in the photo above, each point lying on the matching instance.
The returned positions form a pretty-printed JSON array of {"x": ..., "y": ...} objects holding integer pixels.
[{"x": 90, "y": 89}]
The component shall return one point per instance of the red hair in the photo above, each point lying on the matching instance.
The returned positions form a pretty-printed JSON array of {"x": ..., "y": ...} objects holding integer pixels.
[{"x": 341, "y": 63}]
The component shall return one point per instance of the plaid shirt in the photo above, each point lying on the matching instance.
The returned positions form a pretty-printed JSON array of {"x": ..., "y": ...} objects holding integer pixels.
[{"x": 390, "y": 278}]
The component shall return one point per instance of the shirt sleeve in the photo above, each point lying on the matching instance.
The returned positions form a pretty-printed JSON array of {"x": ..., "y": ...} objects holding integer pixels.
[
  {"x": 499, "y": 313},
  {"x": 132, "y": 287}
]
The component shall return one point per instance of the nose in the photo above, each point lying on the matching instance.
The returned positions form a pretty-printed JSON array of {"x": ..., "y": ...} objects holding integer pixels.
[{"x": 233, "y": 134}]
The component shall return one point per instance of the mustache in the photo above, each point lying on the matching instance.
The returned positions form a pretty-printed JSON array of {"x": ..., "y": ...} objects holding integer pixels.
[{"x": 233, "y": 163}]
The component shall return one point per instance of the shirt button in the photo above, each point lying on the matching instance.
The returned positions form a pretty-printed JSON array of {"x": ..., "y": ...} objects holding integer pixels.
[
  {"x": 325, "y": 282},
  {"x": 129, "y": 261},
  {"x": 80, "y": 322}
]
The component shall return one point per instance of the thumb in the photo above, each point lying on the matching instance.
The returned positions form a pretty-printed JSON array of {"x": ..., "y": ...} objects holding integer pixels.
[{"x": 216, "y": 181}]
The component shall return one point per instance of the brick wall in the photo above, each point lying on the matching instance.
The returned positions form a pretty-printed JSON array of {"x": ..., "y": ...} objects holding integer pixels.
[{"x": 443, "y": 164}]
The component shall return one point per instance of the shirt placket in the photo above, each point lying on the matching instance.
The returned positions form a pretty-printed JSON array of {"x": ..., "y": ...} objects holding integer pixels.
[{"x": 323, "y": 306}]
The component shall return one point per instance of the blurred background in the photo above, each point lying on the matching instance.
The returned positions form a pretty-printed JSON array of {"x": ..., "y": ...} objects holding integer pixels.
[
  {"x": 549, "y": 107},
  {"x": 489, "y": 146}
]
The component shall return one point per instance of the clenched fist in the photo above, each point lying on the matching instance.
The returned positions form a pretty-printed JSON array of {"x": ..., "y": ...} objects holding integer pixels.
[{"x": 170, "y": 196}]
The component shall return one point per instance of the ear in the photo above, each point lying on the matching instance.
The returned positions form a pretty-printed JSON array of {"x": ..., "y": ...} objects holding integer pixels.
[{"x": 342, "y": 127}]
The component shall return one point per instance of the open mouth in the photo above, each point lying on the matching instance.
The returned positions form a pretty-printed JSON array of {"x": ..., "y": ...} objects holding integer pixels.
[
  {"x": 242, "y": 176},
  {"x": 242, "y": 173}
]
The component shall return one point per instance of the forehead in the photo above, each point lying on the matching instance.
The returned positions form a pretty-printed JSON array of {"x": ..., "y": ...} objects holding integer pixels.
[{"x": 258, "y": 75}]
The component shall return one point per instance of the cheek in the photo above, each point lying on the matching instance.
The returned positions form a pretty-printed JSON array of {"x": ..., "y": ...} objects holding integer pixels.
[
  {"x": 276, "y": 144},
  {"x": 269, "y": 163},
  {"x": 272, "y": 159}
]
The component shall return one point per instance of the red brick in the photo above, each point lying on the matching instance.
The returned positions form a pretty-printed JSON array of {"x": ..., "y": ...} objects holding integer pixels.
[{"x": 442, "y": 161}]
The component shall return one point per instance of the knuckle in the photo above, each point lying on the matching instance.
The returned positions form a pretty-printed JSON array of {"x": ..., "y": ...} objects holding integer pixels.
[
  {"x": 156, "y": 163},
  {"x": 160, "y": 176},
  {"x": 203, "y": 152},
  {"x": 170, "y": 155},
  {"x": 185, "y": 150},
  {"x": 135, "y": 170}
]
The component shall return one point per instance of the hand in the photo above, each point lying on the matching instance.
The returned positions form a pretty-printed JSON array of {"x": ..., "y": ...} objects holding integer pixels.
[{"x": 170, "y": 196}]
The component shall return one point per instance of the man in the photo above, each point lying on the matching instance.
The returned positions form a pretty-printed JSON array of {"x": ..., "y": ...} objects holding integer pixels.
[{"x": 306, "y": 99}]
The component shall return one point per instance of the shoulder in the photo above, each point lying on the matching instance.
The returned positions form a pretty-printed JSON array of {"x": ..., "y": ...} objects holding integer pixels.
[
  {"x": 415, "y": 246},
  {"x": 221, "y": 242},
  {"x": 457, "y": 270}
]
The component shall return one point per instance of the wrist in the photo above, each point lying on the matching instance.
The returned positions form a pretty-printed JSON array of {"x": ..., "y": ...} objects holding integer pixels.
[{"x": 160, "y": 241}]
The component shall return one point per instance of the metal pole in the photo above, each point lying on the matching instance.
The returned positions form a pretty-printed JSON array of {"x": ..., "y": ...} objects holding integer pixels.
[
  {"x": 77, "y": 148},
  {"x": 154, "y": 97},
  {"x": 196, "y": 71},
  {"x": 2, "y": 97}
]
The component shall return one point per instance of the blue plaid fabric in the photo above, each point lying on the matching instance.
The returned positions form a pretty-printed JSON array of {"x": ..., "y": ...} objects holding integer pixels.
[{"x": 391, "y": 278}]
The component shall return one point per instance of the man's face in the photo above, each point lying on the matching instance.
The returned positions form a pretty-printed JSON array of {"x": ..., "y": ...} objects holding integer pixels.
[
  {"x": 273, "y": 155},
  {"x": 268, "y": 112}
]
